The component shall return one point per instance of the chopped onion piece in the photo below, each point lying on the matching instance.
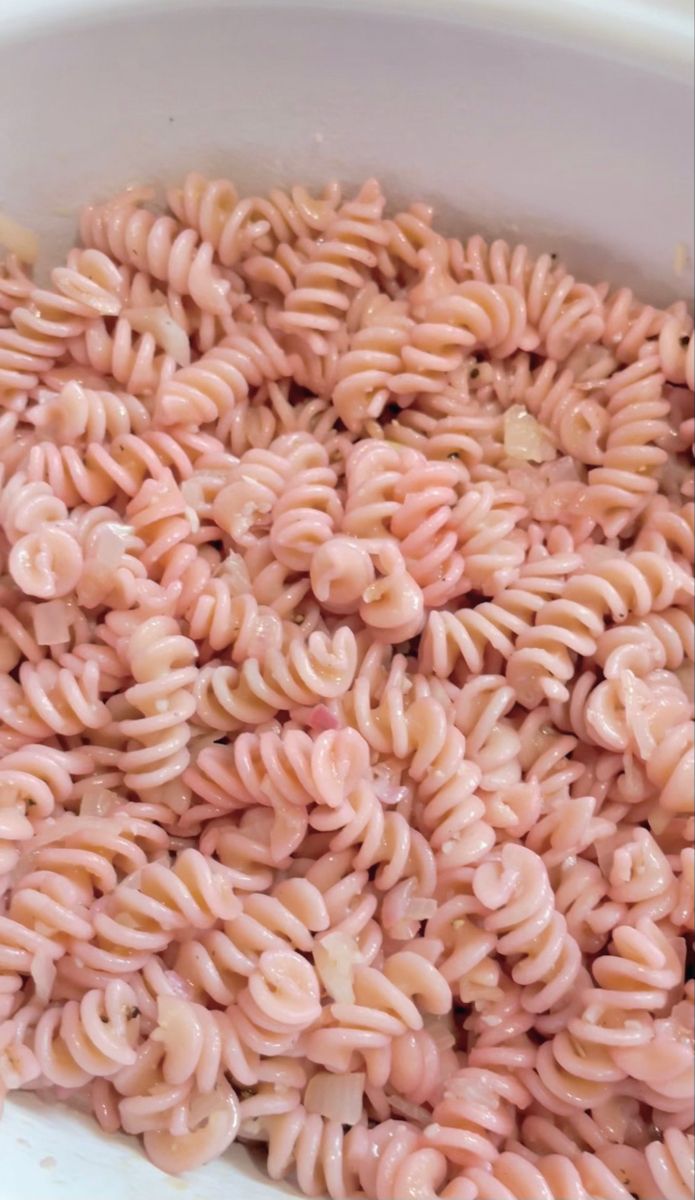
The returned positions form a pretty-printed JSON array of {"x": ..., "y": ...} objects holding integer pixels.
[
  {"x": 421, "y": 910},
  {"x": 413, "y": 1112},
  {"x": 18, "y": 240},
  {"x": 51, "y": 623},
  {"x": 335, "y": 957},
  {"x": 98, "y": 802},
  {"x": 158, "y": 321},
  {"x": 321, "y": 718},
  {"x": 525, "y": 438},
  {"x": 335, "y": 1097},
  {"x": 110, "y": 545},
  {"x": 43, "y": 973},
  {"x": 441, "y": 1030}
]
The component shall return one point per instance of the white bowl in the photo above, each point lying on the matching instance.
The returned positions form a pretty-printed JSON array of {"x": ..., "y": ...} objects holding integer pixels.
[{"x": 569, "y": 124}]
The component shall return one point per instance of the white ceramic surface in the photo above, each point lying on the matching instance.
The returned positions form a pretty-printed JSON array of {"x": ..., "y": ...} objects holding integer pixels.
[{"x": 566, "y": 121}]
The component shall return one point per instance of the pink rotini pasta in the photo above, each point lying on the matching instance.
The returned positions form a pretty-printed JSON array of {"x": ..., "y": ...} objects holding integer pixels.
[{"x": 346, "y": 700}]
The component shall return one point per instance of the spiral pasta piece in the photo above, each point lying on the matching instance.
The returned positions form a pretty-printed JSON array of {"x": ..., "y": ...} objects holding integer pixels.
[
  {"x": 50, "y": 699},
  {"x": 426, "y": 526},
  {"x": 133, "y": 236},
  {"x": 472, "y": 315},
  {"x": 364, "y": 371},
  {"x": 336, "y": 265},
  {"x": 45, "y": 559},
  {"x": 305, "y": 515},
  {"x": 40, "y": 327},
  {"x": 133, "y": 359},
  {"x": 323, "y": 667},
  {"x": 234, "y": 227},
  {"x": 317, "y": 1149},
  {"x": 162, "y": 664},
  {"x": 676, "y": 351},
  {"x": 476, "y": 1112},
  {"x": 561, "y": 313},
  {"x": 626, "y": 478},
  {"x": 275, "y": 769},
  {"x": 528, "y": 924},
  {"x": 226, "y": 620},
  {"x": 142, "y": 914},
  {"x": 221, "y": 378},
  {"x": 76, "y": 412},
  {"x": 94, "y": 1037},
  {"x": 619, "y": 587},
  {"x": 558, "y": 399},
  {"x": 494, "y": 625},
  {"x": 32, "y": 780}
]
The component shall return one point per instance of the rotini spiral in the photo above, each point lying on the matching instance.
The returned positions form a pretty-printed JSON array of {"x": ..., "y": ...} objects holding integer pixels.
[
  {"x": 225, "y": 620},
  {"x": 561, "y": 313},
  {"x": 90, "y": 1038},
  {"x": 476, "y": 1113},
  {"x": 513, "y": 885},
  {"x": 483, "y": 519},
  {"x": 426, "y": 527},
  {"x": 614, "y": 1033},
  {"x": 45, "y": 559},
  {"x": 336, "y": 266},
  {"x": 162, "y": 664},
  {"x": 619, "y": 587},
  {"x": 271, "y": 768},
  {"x": 364, "y": 371},
  {"x": 383, "y": 1007},
  {"x": 320, "y": 668},
  {"x": 676, "y": 351},
  {"x": 213, "y": 386},
  {"x": 494, "y": 625},
  {"x": 40, "y": 328},
  {"x": 234, "y": 227},
  {"x": 136, "y": 237},
  {"x": 32, "y": 781},
  {"x": 317, "y": 1149},
  {"x": 48, "y": 699},
  {"x": 134, "y": 360},
  {"x": 290, "y": 916},
  {"x": 629, "y": 326},
  {"x": 473, "y": 315},
  {"x": 306, "y": 514},
  {"x": 577, "y": 420},
  {"x": 452, "y": 811},
  {"x": 627, "y": 476},
  {"x": 142, "y": 914},
  {"x": 78, "y": 412}
]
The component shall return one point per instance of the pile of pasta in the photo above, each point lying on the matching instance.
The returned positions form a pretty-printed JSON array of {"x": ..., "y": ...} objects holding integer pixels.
[{"x": 346, "y": 699}]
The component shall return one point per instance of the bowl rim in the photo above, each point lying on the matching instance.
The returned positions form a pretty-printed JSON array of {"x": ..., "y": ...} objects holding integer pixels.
[{"x": 656, "y": 34}]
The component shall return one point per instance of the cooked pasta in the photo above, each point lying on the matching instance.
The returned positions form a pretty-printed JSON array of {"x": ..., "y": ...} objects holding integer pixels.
[{"x": 346, "y": 700}]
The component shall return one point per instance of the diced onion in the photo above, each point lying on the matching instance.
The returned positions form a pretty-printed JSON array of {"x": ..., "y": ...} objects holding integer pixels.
[
  {"x": 51, "y": 623},
  {"x": 335, "y": 1097},
  {"x": 421, "y": 910},
  {"x": 524, "y": 438},
  {"x": 335, "y": 958},
  {"x": 18, "y": 240},
  {"x": 111, "y": 544},
  {"x": 98, "y": 802},
  {"x": 158, "y": 321},
  {"x": 43, "y": 973},
  {"x": 413, "y": 1112}
]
